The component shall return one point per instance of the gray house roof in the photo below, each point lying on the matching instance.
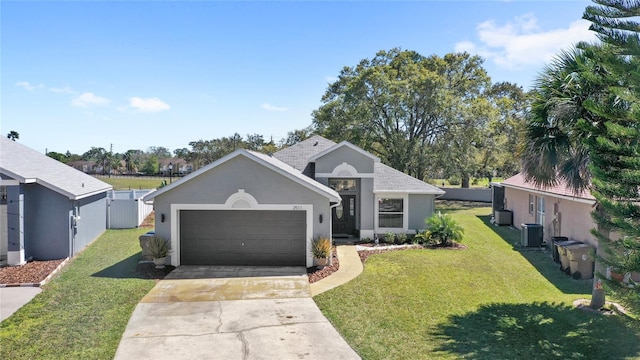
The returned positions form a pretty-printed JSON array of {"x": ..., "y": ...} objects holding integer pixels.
[
  {"x": 26, "y": 165},
  {"x": 389, "y": 180},
  {"x": 345, "y": 144},
  {"x": 298, "y": 155},
  {"x": 266, "y": 160},
  {"x": 386, "y": 179}
]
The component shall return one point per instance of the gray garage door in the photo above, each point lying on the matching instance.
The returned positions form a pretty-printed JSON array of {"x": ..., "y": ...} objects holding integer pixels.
[{"x": 242, "y": 237}]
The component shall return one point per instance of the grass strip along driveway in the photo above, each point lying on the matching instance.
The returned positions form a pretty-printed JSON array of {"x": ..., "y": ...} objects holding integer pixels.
[
  {"x": 492, "y": 300},
  {"x": 82, "y": 313}
]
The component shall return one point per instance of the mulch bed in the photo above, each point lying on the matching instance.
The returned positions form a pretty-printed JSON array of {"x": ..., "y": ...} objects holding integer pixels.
[
  {"x": 32, "y": 272},
  {"x": 316, "y": 274},
  {"x": 149, "y": 221},
  {"x": 147, "y": 270}
]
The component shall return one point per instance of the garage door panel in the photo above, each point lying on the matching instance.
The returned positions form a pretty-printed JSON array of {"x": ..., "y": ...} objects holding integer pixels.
[{"x": 243, "y": 237}]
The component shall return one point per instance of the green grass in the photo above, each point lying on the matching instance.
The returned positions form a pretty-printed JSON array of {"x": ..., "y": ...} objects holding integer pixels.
[
  {"x": 492, "y": 300},
  {"x": 474, "y": 183},
  {"x": 136, "y": 183},
  {"x": 82, "y": 312}
]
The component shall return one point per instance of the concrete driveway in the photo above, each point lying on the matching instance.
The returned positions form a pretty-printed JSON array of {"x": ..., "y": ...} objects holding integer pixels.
[{"x": 231, "y": 313}]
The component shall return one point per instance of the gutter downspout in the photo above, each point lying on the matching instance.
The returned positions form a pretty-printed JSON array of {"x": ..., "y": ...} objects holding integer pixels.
[{"x": 331, "y": 207}]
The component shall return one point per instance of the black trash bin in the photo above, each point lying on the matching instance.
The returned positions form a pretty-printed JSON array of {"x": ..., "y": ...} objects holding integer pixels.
[{"x": 555, "y": 240}]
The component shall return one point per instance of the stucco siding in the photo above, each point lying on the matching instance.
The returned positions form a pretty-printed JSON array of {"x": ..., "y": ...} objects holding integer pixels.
[
  {"x": 420, "y": 208},
  {"x": 367, "y": 207},
  {"x": 46, "y": 223},
  {"x": 4, "y": 237},
  {"x": 219, "y": 183},
  {"x": 574, "y": 220},
  {"x": 93, "y": 220},
  {"x": 330, "y": 161}
]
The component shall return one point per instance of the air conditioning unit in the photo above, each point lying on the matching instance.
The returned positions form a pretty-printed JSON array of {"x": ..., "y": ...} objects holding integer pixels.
[
  {"x": 531, "y": 235},
  {"x": 503, "y": 217}
]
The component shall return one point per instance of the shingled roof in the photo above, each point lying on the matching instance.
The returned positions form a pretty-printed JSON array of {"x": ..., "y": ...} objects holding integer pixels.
[
  {"x": 389, "y": 180},
  {"x": 560, "y": 189},
  {"x": 386, "y": 178},
  {"x": 298, "y": 155},
  {"x": 26, "y": 165},
  {"x": 266, "y": 160}
]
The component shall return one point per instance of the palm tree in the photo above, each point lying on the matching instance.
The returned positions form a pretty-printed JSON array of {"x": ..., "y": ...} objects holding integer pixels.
[{"x": 552, "y": 150}]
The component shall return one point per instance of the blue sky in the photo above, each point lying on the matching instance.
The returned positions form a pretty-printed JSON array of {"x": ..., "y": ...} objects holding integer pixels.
[{"x": 136, "y": 74}]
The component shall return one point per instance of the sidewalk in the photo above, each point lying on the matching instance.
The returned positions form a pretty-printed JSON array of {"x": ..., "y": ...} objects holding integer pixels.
[{"x": 350, "y": 267}]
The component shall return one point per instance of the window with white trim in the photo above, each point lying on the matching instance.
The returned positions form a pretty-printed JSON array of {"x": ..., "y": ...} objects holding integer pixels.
[{"x": 390, "y": 213}]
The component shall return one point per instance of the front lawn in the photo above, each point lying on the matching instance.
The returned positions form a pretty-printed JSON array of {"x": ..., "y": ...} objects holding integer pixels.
[
  {"x": 82, "y": 312},
  {"x": 490, "y": 301}
]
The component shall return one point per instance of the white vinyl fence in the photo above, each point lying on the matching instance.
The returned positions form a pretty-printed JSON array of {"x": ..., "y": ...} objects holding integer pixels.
[
  {"x": 471, "y": 194},
  {"x": 125, "y": 208}
]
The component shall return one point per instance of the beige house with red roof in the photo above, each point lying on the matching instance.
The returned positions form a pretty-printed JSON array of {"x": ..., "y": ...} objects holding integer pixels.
[{"x": 560, "y": 211}]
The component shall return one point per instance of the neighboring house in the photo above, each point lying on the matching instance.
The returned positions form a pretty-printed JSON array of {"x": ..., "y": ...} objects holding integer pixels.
[
  {"x": 179, "y": 166},
  {"x": 49, "y": 210},
  {"x": 249, "y": 208},
  {"x": 557, "y": 209},
  {"x": 88, "y": 167}
]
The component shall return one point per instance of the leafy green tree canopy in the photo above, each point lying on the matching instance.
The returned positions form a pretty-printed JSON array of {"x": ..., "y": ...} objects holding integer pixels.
[{"x": 398, "y": 104}]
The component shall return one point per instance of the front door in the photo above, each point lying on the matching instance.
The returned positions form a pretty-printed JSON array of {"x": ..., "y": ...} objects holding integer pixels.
[{"x": 344, "y": 216}]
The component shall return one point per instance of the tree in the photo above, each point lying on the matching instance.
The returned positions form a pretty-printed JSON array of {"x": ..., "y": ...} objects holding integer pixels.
[
  {"x": 614, "y": 141},
  {"x": 296, "y": 136},
  {"x": 159, "y": 151},
  {"x": 150, "y": 165},
  {"x": 504, "y": 131},
  {"x": 181, "y": 153},
  {"x": 397, "y": 104},
  {"x": 204, "y": 152},
  {"x": 133, "y": 159},
  {"x": 13, "y": 135},
  {"x": 58, "y": 156},
  {"x": 584, "y": 129},
  {"x": 552, "y": 150}
]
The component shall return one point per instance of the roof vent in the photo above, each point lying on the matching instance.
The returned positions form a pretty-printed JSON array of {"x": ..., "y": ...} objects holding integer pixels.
[{"x": 315, "y": 143}]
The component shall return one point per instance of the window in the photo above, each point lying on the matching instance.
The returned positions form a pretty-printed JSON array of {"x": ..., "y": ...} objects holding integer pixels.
[
  {"x": 531, "y": 204},
  {"x": 391, "y": 213},
  {"x": 342, "y": 185}
]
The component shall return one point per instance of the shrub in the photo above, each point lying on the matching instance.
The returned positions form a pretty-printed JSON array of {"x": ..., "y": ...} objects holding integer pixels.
[
  {"x": 321, "y": 247},
  {"x": 401, "y": 238},
  {"x": 454, "y": 180},
  {"x": 443, "y": 230},
  {"x": 158, "y": 247},
  {"x": 389, "y": 237}
]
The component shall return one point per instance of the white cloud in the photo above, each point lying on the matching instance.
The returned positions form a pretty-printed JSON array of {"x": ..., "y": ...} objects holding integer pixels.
[
  {"x": 522, "y": 43},
  {"x": 270, "y": 107},
  {"x": 88, "y": 99},
  {"x": 148, "y": 104},
  {"x": 29, "y": 87},
  {"x": 62, "y": 90}
]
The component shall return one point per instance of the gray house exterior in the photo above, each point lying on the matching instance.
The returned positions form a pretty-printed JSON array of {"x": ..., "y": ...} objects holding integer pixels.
[
  {"x": 48, "y": 210},
  {"x": 253, "y": 209}
]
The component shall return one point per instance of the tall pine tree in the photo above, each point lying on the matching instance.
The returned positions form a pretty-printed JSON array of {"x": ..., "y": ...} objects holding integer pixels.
[{"x": 613, "y": 142}]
